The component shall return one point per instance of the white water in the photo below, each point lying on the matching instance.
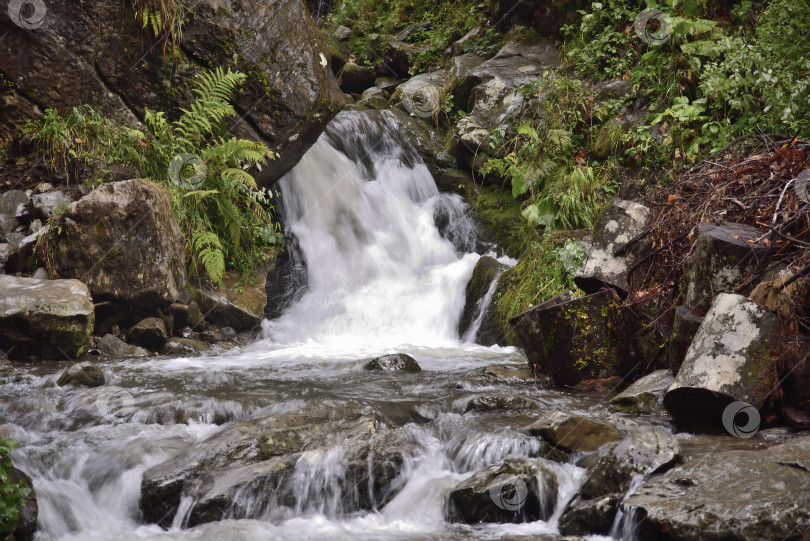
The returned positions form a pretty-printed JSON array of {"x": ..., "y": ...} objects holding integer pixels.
[{"x": 381, "y": 278}]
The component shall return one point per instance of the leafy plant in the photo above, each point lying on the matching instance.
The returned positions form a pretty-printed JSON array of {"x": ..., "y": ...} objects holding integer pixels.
[
  {"x": 12, "y": 494},
  {"x": 163, "y": 17}
]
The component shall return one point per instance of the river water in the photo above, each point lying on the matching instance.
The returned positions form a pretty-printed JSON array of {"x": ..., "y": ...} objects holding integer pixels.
[{"x": 381, "y": 278}]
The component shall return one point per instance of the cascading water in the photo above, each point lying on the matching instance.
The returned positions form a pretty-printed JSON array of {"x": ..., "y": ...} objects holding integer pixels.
[{"x": 380, "y": 277}]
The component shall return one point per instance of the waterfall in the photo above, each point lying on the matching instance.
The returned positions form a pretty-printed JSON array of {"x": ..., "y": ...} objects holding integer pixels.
[{"x": 363, "y": 209}]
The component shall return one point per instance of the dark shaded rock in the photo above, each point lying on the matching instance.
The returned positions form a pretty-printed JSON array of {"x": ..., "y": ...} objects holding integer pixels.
[
  {"x": 504, "y": 373},
  {"x": 427, "y": 142},
  {"x": 237, "y": 305},
  {"x": 740, "y": 495},
  {"x": 399, "y": 57},
  {"x": 188, "y": 315},
  {"x": 500, "y": 402},
  {"x": 646, "y": 451},
  {"x": 123, "y": 241},
  {"x": 44, "y": 319},
  {"x": 457, "y": 45},
  {"x": 29, "y": 512},
  {"x": 112, "y": 346},
  {"x": 398, "y": 362},
  {"x": 531, "y": 47},
  {"x": 12, "y": 204},
  {"x": 82, "y": 375},
  {"x": 724, "y": 256},
  {"x": 684, "y": 329},
  {"x": 588, "y": 517},
  {"x": 454, "y": 181},
  {"x": 387, "y": 84},
  {"x": 620, "y": 223},
  {"x": 184, "y": 346},
  {"x": 516, "y": 489},
  {"x": 478, "y": 300},
  {"x": 575, "y": 340},
  {"x": 15, "y": 110},
  {"x": 215, "y": 333},
  {"x": 355, "y": 79},
  {"x": 645, "y": 395},
  {"x": 460, "y": 66},
  {"x": 573, "y": 432},
  {"x": 149, "y": 333},
  {"x": 729, "y": 360},
  {"x": 373, "y": 98},
  {"x": 547, "y": 18}
]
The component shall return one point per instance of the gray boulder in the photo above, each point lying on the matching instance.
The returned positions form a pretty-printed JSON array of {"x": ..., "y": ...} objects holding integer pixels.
[
  {"x": 49, "y": 203},
  {"x": 740, "y": 495},
  {"x": 645, "y": 396},
  {"x": 123, "y": 241},
  {"x": 149, "y": 333},
  {"x": 728, "y": 361},
  {"x": 112, "y": 346},
  {"x": 460, "y": 66},
  {"x": 620, "y": 223},
  {"x": 44, "y": 319},
  {"x": 398, "y": 362},
  {"x": 373, "y": 98},
  {"x": 516, "y": 489},
  {"x": 82, "y": 375},
  {"x": 12, "y": 204}
]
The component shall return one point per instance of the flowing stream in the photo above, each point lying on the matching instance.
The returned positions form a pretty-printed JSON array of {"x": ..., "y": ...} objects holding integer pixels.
[{"x": 380, "y": 278}]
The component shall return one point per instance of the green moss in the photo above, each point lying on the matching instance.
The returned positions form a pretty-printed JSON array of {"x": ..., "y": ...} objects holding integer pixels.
[{"x": 499, "y": 215}]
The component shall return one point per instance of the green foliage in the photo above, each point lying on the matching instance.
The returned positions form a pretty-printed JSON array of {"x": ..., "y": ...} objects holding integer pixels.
[
  {"x": 441, "y": 23},
  {"x": 220, "y": 209},
  {"x": 12, "y": 494},
  {"x": 546, "y": 270},
  {"x": 164, "y": 18}
]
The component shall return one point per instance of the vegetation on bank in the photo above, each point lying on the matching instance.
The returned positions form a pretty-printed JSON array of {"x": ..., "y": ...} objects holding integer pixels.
[
  {"x": 225, "y": 217},
  {"x": 12, "y": 493}
]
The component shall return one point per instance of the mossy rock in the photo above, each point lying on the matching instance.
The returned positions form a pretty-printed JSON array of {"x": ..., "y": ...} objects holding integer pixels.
[
  {"x": 82, "y": 375},
  {"x": 398, "y": 362}
]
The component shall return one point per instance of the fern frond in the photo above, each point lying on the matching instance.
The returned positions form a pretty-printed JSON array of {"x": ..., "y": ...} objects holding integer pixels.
[{"x": 207, "y": 250}]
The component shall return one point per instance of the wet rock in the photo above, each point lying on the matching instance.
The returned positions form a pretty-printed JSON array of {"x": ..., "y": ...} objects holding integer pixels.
[
  {"x": 728, "y": 361},
  {"x": 188, "y": 315},
  {"x": 29, "y": 512},
  {"x": 421, "y": 95},
  {"x": 184, "y": 347},
  {"x": 575, "y": 340},
  {"x": 646, "y": 451},
  {"x": 268, "y": 458},
  {"x": 12, "y": 204},
  {"x": 460, "y": 66},
  {"x": 44, "y": 319},
  {"x": 5, "y": 252},
  {"x": 23, "y": 250},
  {"x": 487, "y": 86},
  {"x": 533, "y": 48},
  {"x": 620, "y": 223},
  {"x": 740, "y": 495},
  {"x": 427, "y": 142},
  {"x": 124, "y": 242},
  {"x": 387, "y": 84},
  {"x": 112, "y": 346},
  {"x": 645, "y": 396},
  {"x": 398, "y": 362},
  {"x": 505, "y": 373},
  {"x": 215, "y": 333},
  {"x": 82, "y": 375},
  {"x": 48, "y": 204},
  {"x": 588, "y": 517},
  {"x": 477, "y": 302},
  {"x": 516, "y": 489},
  {"x": 15, "y": 110},
  {"x": 684, "y": 329},
  {"x": 236, "y": 305},
  {"x": 149, "y": 333},
  {"x": 454, "y": 181},
  {"x": 724, "y": 256},
  {"x": 500, "y": 403},
  {"x": 355, "y": 79},
  {"x": 373, "y": 98},
  {"x": 573, "y": 432}
]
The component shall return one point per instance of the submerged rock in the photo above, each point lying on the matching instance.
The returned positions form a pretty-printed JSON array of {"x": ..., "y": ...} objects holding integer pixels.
[
  {"x": 184, "y": 346},
  {"x": 44, "y": 319},
  {"x": 516, "y": 489},
  {"x": 82, "y": 375},
  {"x": 500, "y": 403},
  {"x": 573, "y": 432},
  {"x": 645, "y": 395},
  {"x": 740, "y": 495},
  {"x": 398, "y": 362},
  {"x": 729, "y": 360},
  {"x": 123, "y": 241},
  {"x": 112, "y": 346},
  {"x": 588, "y": 517}
]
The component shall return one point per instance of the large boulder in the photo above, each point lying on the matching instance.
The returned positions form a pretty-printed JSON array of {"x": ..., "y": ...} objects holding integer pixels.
[
  {"x": 740, "y": 495},
  {"x": 729, "y": 360},
  {"x": 237, "y": 305},
  {"x": 44, "y": 319},
  {"x": 112, "y": 346},
  {"x": 478, "y": 311},
  {"x": 94, "y": 51},
  {"x": 82, "y": 375},
  {"x": 516, "y": 489},
  {"x": 123, "y": 241},
  {"x": 149, "y": 333},
  {"x": 621, "y": 223},
  {"x": 354, "y": 78},
  {"x": 398, "y": 362},
  {"x": 575, "y": 340},
  {"x": 724, "y": 256}
]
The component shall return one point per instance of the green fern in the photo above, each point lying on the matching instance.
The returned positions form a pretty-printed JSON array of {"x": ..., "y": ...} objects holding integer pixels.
[{"x": 209, "y": 252}]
